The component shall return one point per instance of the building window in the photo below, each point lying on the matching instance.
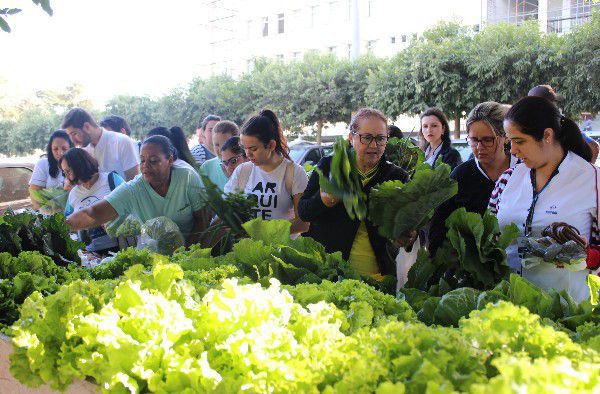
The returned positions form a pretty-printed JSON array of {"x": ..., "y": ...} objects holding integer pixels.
[
  {"x": 332, "y": 8},
  {"x": 331, "y": 49},
  {"x": 393, "y": 40},
  {"x": 265, "y": 31},
  {"x": 296, "y": 55},
  {"x": 371, "y": 45},
  {"x": 280, "y": 24},
  {"x": 349, "y": 51},
  {"x": 280, "y": 56},
  {"x": 313, "y": 15},
  {"x": 403, "y": 38},
  {"x": 415, "y": 36},
  {"x": 370, "y": 8},
  {"x": 248, "y": 29},
  {"x": 476, "y": 28}
]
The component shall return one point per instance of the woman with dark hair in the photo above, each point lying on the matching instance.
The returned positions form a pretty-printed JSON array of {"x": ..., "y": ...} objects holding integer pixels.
[
  {"x": 271, "y": 175},
  {"x": 554, "y": 183},
  {"x": 232, "y": 155},
  {"x": 81, "y": 169},
  {"x": 435, "y": 138},
  {"x": 162, "y": 190},
  {"x": 183, "y": 156},
  {"x": 476, "y": 177},
  {"x": 359, "y": 241},
  {"x": 46, "y": 173}
]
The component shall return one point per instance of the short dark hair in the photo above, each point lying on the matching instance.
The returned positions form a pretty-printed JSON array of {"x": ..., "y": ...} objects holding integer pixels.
[
  {"x": 76, "y": 117},
  {"x": 233, "y": 144},
  {"x": 210, "y": 118},
  {"x": 83, "y": 165},
  {"x": 52, "y": 162},
  {"x": 115, "y": 123},
  {"x": 226, "y": 127},
  {"x": 165, "y": 145},
  {"x": 395, "y": 131}
]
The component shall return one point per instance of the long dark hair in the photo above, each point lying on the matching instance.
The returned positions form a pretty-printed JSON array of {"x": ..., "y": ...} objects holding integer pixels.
[
  {"x": 438, "y": 113},
  {"x": 177, "y": 137},
  {"x": 533, "y": 115},
  {"x": 52, "y": 162},
  {"x": 266, "y": 127}
]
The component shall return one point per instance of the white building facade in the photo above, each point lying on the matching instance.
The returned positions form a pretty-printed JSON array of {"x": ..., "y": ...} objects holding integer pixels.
[
  {"x": 239, "y": 31},
  {"x": 553, "y": 16}
]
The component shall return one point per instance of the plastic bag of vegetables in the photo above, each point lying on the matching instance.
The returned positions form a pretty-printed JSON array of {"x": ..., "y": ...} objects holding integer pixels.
[
  {"x": 561, "y": 244},
  {"x": 51, "y": 201},
  {"x": 161, "y": 235},
  {"x": 130, "y": 227}
]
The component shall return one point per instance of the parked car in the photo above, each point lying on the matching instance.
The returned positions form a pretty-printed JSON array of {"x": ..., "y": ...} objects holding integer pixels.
[
  {"x": 308, "y": 152},
  {"x": 462, "y": 146},
  {"x": 14, "y": 185}
]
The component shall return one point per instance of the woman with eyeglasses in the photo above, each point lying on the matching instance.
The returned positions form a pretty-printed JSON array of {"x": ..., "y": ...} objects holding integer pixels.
[
  {"x": 232, "y": 155},
  {"x": 90, "y": 186},
  {"x": 435, "y": 138},
  {"x": 476, "y": 177},
  {"x": 553, "y": 183},
  {"x": 360, "y": 243},
  {"x": 270, "y": 174},
  {"x": 161, "y": 190},
  {"x": 213, "y": 168}
]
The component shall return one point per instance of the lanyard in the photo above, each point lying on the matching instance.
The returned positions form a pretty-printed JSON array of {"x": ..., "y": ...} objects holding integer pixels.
[{"x": 536, "y": 195}]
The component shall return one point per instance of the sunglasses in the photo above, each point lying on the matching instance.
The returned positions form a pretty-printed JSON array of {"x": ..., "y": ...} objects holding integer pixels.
[{"x": 232, "y": 161}]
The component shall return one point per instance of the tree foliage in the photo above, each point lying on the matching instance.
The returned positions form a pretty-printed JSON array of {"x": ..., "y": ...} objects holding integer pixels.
[{"x": 6, "y": 12}]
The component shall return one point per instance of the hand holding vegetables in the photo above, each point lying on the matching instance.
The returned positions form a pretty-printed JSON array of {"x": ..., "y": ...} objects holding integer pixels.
[{"x": 329, "y": 200}]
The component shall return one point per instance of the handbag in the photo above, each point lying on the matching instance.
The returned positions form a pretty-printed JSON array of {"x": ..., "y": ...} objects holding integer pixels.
[{"x": 593, "y": 251}]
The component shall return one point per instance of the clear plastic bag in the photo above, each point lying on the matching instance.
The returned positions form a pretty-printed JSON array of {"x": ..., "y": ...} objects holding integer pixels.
[
  {"x": 161, "y": 235},
  {"x": 51, "y": 201},
  {"x": 130, "y": 227}
]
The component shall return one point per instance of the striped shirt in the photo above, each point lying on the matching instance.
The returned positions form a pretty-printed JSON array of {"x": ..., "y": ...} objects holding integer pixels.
[{"x": 201, "y": 154}]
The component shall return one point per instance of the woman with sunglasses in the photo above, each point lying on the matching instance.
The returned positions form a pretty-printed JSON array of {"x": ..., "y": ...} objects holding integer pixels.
[
  {"x": 476, "y": 177},
  {"x": 213, "y": 168},
  {"x": 360, "y": 243},
  {"x": 435, "y": 138}
]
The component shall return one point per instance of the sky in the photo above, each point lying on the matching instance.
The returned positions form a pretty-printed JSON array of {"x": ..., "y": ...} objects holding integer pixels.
[{"x": 111, "y": 47}]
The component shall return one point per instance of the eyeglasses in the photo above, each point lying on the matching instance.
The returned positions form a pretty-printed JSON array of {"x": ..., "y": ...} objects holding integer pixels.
[
  {"x": 231, "y": 161},
  {"x": 67, "y": 172},
  {"x": 486, "y": 142},
  {"x": 366, "y": 139}
]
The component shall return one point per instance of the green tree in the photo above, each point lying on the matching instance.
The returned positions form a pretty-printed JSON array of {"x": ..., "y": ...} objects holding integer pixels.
[
  {"x": 580, "y": 81},
  {"x": 6, "y": 12},
  {"x": 139, "y": 111},
  {"x": 507, "y": 60}
]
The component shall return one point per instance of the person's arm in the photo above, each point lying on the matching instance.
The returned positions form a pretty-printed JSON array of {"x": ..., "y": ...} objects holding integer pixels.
[
  {"x": 200, "y": 225},
  {"x": 132, "y": 172},
  {"x": 93, "y": 216},
  {"x": 298, "y": 226},
  {"x": 34, "y": 202},
  {"x": 311, "y": 205}
]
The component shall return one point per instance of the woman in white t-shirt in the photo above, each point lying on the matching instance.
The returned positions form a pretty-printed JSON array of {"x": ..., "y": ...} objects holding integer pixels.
[
  {"x": 270, "y": 174},
  {"x": 554, "y": 183},
  {"x": 46, "y": 173},
  {"x": 81, "y": 169}
]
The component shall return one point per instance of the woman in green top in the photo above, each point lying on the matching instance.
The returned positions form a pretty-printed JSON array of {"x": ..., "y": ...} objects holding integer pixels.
[{"x": 161, "y": 190}]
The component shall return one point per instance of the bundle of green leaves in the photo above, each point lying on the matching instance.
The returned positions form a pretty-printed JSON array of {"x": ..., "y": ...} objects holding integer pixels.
[
  {"x": 50, "y": 200},
  {"x": 405, "y": 154},
  {"x": 33, "y": 231},
  {"x": 398, "y": 208},
  {"x": 344, "y": 180},
  {"x": 472, "y": 255}
]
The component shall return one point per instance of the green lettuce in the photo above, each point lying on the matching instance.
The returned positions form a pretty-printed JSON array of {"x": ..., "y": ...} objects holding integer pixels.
[
  {"x": 405, "y": 154},
  {"x": 397, "y": 208}
]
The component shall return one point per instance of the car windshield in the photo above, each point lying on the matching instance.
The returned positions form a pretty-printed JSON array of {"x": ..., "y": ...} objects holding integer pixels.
[{"x": 296, "y": 154}]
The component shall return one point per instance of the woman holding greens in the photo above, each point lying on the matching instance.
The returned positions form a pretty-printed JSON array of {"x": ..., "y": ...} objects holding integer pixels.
[
  {"x": 360, "y": 243},
  {"x": 161, "y": 190}
]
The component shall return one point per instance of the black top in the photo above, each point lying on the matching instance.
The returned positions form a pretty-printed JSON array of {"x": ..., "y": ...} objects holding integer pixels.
[
  {"x": 333, "y": 228},
  {"x": 449, "y": 155},
  {"x": 474, "y": 190}
]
